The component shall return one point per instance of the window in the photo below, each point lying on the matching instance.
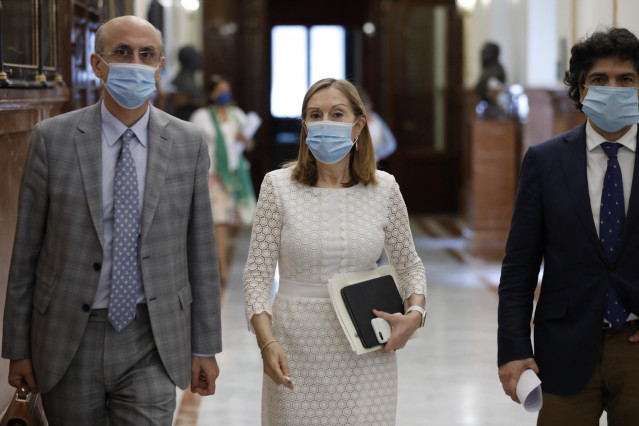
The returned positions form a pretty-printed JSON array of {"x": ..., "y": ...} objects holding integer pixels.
[{"x": 300, "y": 57}]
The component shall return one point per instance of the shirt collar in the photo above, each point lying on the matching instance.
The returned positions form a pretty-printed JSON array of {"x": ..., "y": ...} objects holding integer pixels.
[
  {"x": 112, "y": 128},
  {"x": 594, "y": 139}
]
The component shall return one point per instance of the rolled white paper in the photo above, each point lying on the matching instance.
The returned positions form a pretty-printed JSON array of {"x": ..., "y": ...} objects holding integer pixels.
[{"x": 529, "y": 391}]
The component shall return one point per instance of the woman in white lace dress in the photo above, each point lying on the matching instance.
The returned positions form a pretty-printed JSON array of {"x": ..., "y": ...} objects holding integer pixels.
[{"x": 327, "y": 213}]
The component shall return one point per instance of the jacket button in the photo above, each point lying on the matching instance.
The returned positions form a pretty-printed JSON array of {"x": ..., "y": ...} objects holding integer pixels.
[
  {"x": 97, "y": 266},
  {"x": 86, "y": 307}
]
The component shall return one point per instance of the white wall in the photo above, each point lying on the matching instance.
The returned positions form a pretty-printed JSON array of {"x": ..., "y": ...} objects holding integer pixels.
[
  {"x": 476, "y": 27},
  {"x": 502, "y": 22},
  {"x": 627, "y": 13},
  {"x": 535, "y": 36},
  {"x": 593, "y": 15},
  {"x": 541, "y": 51},
  {"x": 516, "y": 41}
]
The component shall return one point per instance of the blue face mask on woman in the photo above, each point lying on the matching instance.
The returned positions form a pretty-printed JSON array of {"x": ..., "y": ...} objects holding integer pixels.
[
  {"x": 329, "y": 141},
  {"x": 611, "y": 108},
  {"x": 223, "y": 98},
  {"x": 130, "y": 85}
]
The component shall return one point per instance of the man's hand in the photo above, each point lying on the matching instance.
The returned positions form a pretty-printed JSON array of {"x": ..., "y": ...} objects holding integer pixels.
[
  {"x": 204, "y": 372},
  {"x": 634, "y": 338},
  {"x": 21, "y": 374},
  {"x": 509, "y": 375}
]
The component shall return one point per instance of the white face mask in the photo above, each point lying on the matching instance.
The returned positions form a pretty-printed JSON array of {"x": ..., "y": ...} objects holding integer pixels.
[
  {"x": 329, "y": 141},
  {"x": 611, "y": 108},
  {"x": 130, "y": 85}
]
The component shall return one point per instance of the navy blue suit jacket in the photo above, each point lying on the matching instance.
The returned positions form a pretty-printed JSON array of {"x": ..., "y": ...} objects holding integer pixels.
[{"x": 552, "y": 221}]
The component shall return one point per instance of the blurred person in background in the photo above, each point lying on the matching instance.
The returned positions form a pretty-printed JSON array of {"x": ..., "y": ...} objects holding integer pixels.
[
  {"x": 384, "y": 142},
  {"x": 231, "y": 190}
]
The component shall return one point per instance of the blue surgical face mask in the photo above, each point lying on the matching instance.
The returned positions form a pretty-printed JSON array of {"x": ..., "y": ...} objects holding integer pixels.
[
  {"x": 223, "y": 98},
  {"x": 611, "y": 108},
  {"x": 329, "y": 141},
  {"x": 130, "y": 85}
]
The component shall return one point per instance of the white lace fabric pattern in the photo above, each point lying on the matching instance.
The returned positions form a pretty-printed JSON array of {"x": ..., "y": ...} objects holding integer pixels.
[{"x": 315, "y": 233}]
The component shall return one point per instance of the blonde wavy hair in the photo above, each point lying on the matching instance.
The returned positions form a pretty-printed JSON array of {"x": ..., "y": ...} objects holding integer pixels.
[{"x": 362, "y": 164}]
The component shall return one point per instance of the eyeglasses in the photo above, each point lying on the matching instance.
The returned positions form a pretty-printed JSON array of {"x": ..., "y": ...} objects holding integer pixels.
[{"x": 147, "y": 57}]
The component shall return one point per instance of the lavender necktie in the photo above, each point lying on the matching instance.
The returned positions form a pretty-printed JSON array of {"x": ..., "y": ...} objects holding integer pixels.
[{"x": 126, "y": 227}]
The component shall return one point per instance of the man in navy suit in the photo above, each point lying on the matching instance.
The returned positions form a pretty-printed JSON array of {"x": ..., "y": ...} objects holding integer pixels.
[{"x": 577, "y": 210}]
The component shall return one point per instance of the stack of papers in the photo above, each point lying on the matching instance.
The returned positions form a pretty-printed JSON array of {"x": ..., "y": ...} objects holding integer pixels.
[
  {"x": 252, "y": 123},
  {"x": 335, "y": 286}
]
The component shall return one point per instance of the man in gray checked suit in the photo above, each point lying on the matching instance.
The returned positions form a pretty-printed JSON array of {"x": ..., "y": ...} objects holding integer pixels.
[{"x": 113, "y": 296}]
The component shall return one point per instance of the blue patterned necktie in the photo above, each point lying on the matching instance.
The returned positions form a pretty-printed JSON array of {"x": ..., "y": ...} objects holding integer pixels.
[
  {"x": 126, "y": 227},
  {"x": 612, "y": 218}
]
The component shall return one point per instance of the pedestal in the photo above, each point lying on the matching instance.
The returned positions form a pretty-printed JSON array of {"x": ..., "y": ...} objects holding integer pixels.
[{"x": 494, "y": 165}]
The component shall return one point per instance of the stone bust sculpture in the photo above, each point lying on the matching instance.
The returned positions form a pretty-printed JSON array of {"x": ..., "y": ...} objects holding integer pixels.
[{"x": 492, "y": 76}]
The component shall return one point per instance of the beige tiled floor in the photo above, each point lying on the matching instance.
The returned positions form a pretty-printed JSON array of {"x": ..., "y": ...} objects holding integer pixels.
[{"x": 447, "y": 377}]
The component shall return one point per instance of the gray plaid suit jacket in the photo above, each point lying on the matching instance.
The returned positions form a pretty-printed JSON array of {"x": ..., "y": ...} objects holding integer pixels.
[{"x": 57, "y": 250}]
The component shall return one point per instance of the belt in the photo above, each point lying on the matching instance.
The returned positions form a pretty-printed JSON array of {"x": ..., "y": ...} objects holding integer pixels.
[
  {"x": 101, "y": 315},
  {"x": 632, "y": 323},
  {"x": 302, "y": 289}
]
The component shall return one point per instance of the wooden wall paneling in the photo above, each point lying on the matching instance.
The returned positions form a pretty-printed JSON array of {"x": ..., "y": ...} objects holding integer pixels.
[
  {"x": 494, "y": 165},
  {"x": 430, "y": 176},
  {"x": 539, "y": 126},
  {"x": 20, "y": 110},
  {"x": 85, "y": 86},
  {"x": 455, "y": 108},
  {"x": 295, "y": 12},
  {"x": 372, "y": 81},
  {"x": 221, "y": 49},
  {"x": 65, "y": 49},
  {"x": 565, "y": 116},
  {"x": 256, "y": 81},
  {"x": 381, "y": 74}
]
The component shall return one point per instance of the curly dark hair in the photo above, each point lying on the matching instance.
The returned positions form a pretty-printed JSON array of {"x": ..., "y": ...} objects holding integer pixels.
[{"x": 614, "y": 42}]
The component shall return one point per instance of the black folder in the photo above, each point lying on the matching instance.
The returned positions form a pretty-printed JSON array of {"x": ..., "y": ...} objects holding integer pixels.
[{"x": 361, "y": 298}]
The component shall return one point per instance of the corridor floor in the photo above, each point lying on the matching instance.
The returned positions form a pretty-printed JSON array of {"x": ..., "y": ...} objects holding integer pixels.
[{"x": 447, "y": 376}]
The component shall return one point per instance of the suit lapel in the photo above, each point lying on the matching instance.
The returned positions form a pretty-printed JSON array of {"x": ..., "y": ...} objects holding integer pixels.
[
  {"x": 574, "y": 163},
  {"x": 158, "y": 158},
  {"x": 88, "y": 145},
  {"x": 632, "y": 217}
]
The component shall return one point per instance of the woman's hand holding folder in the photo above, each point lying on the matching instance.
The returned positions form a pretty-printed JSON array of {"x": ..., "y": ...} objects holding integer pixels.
[{"x": 402, "y": 326}]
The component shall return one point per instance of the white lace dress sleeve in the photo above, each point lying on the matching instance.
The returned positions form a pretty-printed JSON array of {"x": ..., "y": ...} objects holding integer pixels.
[
  {"x": 263, "y": 251},
  {"x": 401, "y": 248}
]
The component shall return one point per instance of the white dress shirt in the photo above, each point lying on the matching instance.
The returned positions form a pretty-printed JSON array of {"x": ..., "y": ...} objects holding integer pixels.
[{"x": 598, "y": 163}]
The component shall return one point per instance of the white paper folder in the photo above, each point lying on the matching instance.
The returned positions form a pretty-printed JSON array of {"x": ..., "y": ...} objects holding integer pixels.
[{"x": 335, "y": 286}]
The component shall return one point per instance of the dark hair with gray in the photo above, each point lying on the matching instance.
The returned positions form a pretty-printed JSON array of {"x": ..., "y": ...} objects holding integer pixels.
[{"x": 612, "y": 43}]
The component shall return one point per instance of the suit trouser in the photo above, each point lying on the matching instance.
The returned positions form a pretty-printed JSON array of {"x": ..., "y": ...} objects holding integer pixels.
[
  {"x": 114, "y": 378},
  {"x": 613, "y": 387}
]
